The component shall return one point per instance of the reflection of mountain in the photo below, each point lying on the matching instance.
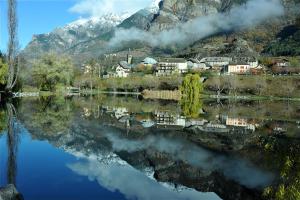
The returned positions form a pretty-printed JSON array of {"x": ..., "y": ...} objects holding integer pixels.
[
  {"x": 236, "y": 169},
  {"x": 115, "y": 174},
  {"x": 172, "y": 158},
  {"x": 232, "y": 164}
]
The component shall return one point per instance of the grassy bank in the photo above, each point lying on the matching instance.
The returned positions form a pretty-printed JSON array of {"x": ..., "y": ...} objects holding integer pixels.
[{"x": 264, "y": 87}]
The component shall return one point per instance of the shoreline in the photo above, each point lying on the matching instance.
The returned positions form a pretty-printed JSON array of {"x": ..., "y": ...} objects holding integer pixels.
[{"x": 147, "y": 96}]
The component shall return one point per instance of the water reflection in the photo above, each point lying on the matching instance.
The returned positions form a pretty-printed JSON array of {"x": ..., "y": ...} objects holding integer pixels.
[
  {"x": 12, "y": 144},
  {"x": 115, "y": 174},
  {"x": 232, "y": 150},
  {"x": 246, "y": 117},
  {"x": 237, "y": 169}
]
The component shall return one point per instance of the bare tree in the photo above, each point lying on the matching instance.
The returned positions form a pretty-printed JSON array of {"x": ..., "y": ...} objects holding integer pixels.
[{"x": 12, "y": 55}]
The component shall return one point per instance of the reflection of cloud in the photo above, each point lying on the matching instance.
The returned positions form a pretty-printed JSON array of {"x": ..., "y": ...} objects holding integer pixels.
[
  {"x": 116, "y": 175},
  {"x": 237, "y": 169}
]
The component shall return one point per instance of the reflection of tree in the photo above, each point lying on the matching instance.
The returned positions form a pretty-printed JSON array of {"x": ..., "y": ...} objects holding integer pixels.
[
  {"x": 51, "y": 115},
  {"x": 191, "y": 108},
  {"x": 12, "y": 144},
  {"x": 3, "y": 121}
]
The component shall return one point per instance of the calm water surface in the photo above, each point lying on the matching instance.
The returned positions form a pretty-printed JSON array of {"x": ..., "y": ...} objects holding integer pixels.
[{"x": 124, "y": 148}]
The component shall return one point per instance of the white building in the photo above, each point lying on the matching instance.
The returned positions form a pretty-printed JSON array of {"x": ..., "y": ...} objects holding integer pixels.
[
  {"x": 169, "y": 66},
  {"x": 252, "y": 61},
  {"x": 123, "y": 70},
  {"x": 240, "y": 122},
  {"x": 237, "y": 68},
  {"x": 166, "y": 118}
]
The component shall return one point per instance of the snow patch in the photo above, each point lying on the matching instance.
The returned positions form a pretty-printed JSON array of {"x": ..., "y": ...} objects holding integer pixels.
[
  {"x": 107, "y": 20},
  {"x": 154, "y": 6}
]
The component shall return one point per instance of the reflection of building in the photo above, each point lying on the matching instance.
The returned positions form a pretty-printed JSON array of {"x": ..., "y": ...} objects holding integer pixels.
[
  {"x": 169, "y": 119},
  {"x": 239, "y": 122},
  {"x": 86, "y": 112},
  {"x": 236, "y": 122},
  {"x": 194, "y": 122},
  {"x": 120, "y": 112},
  {"x": 147, "y": 123},
  {"x": 117, "y": 112}
]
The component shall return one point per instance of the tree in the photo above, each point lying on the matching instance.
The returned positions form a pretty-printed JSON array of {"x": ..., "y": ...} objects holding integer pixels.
[
  {"x": 52, "y": 70},
  {"x": 191, "y": 92},
  {"x": 3, "y": 72},
  {"x": 94, "y": 70},
  {"x": 12, "y": 55}
]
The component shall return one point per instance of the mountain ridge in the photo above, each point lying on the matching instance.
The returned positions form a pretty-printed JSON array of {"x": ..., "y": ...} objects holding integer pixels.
[{"x": 92, "y": 40}]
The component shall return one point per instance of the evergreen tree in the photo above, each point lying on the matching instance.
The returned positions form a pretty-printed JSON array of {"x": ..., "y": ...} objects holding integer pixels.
[{"x": 191, "y": 92}]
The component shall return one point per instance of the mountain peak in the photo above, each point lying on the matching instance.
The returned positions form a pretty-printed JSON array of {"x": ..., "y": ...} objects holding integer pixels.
[
  {"x": 154, "y": 6},
  {"x": 109, "y": 19}
]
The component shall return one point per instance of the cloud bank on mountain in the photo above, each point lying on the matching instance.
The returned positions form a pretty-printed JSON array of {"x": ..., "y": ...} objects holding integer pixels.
[{"x": 240, "y": 17}]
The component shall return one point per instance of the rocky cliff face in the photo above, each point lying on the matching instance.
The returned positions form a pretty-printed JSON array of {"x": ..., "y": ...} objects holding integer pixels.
[{"x": 175, "y": 11}]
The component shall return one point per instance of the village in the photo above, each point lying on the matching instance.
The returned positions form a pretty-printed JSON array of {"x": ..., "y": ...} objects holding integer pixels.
[{"x": 166, "y": 66}]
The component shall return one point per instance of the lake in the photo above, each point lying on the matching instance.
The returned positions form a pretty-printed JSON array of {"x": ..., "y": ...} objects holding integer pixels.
[{"x": 124, "y": 147}]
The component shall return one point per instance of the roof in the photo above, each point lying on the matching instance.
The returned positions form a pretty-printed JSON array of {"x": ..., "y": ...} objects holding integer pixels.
[
  {"x": 172, "y": 60},
  {"x": 194, "y": 60},
  {"x": 280, "y": 59},
  {"x": 238, "y": 63},
  {"x": 245, "y": 59},
  {"x": 149, "y": 60},
  {"x": 216, "y": 59},
  {"x": 125, "y": 65}
]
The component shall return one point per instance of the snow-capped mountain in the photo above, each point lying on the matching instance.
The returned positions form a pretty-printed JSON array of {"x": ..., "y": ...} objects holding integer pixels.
[
  {"x": 72, "y": 34},
  {"x": 106, "y": 20},
  {"x": 154, "y": 6},
  {"x": 82, "y": 34}
]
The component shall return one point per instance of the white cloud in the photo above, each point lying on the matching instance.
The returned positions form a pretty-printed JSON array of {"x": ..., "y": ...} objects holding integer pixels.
[
  {"x": 240, "y": 17},
  {"x": 92, "y": 8}
]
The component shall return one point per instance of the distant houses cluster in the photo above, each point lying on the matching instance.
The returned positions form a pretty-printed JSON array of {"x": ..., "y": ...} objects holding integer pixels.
[{"x": 171, "y": 66}]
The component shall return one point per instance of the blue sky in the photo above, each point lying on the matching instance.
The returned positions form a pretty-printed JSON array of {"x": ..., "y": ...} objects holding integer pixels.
[
  {"x": 35, "y": 17},
  {"x": 42, "y": 16}
]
